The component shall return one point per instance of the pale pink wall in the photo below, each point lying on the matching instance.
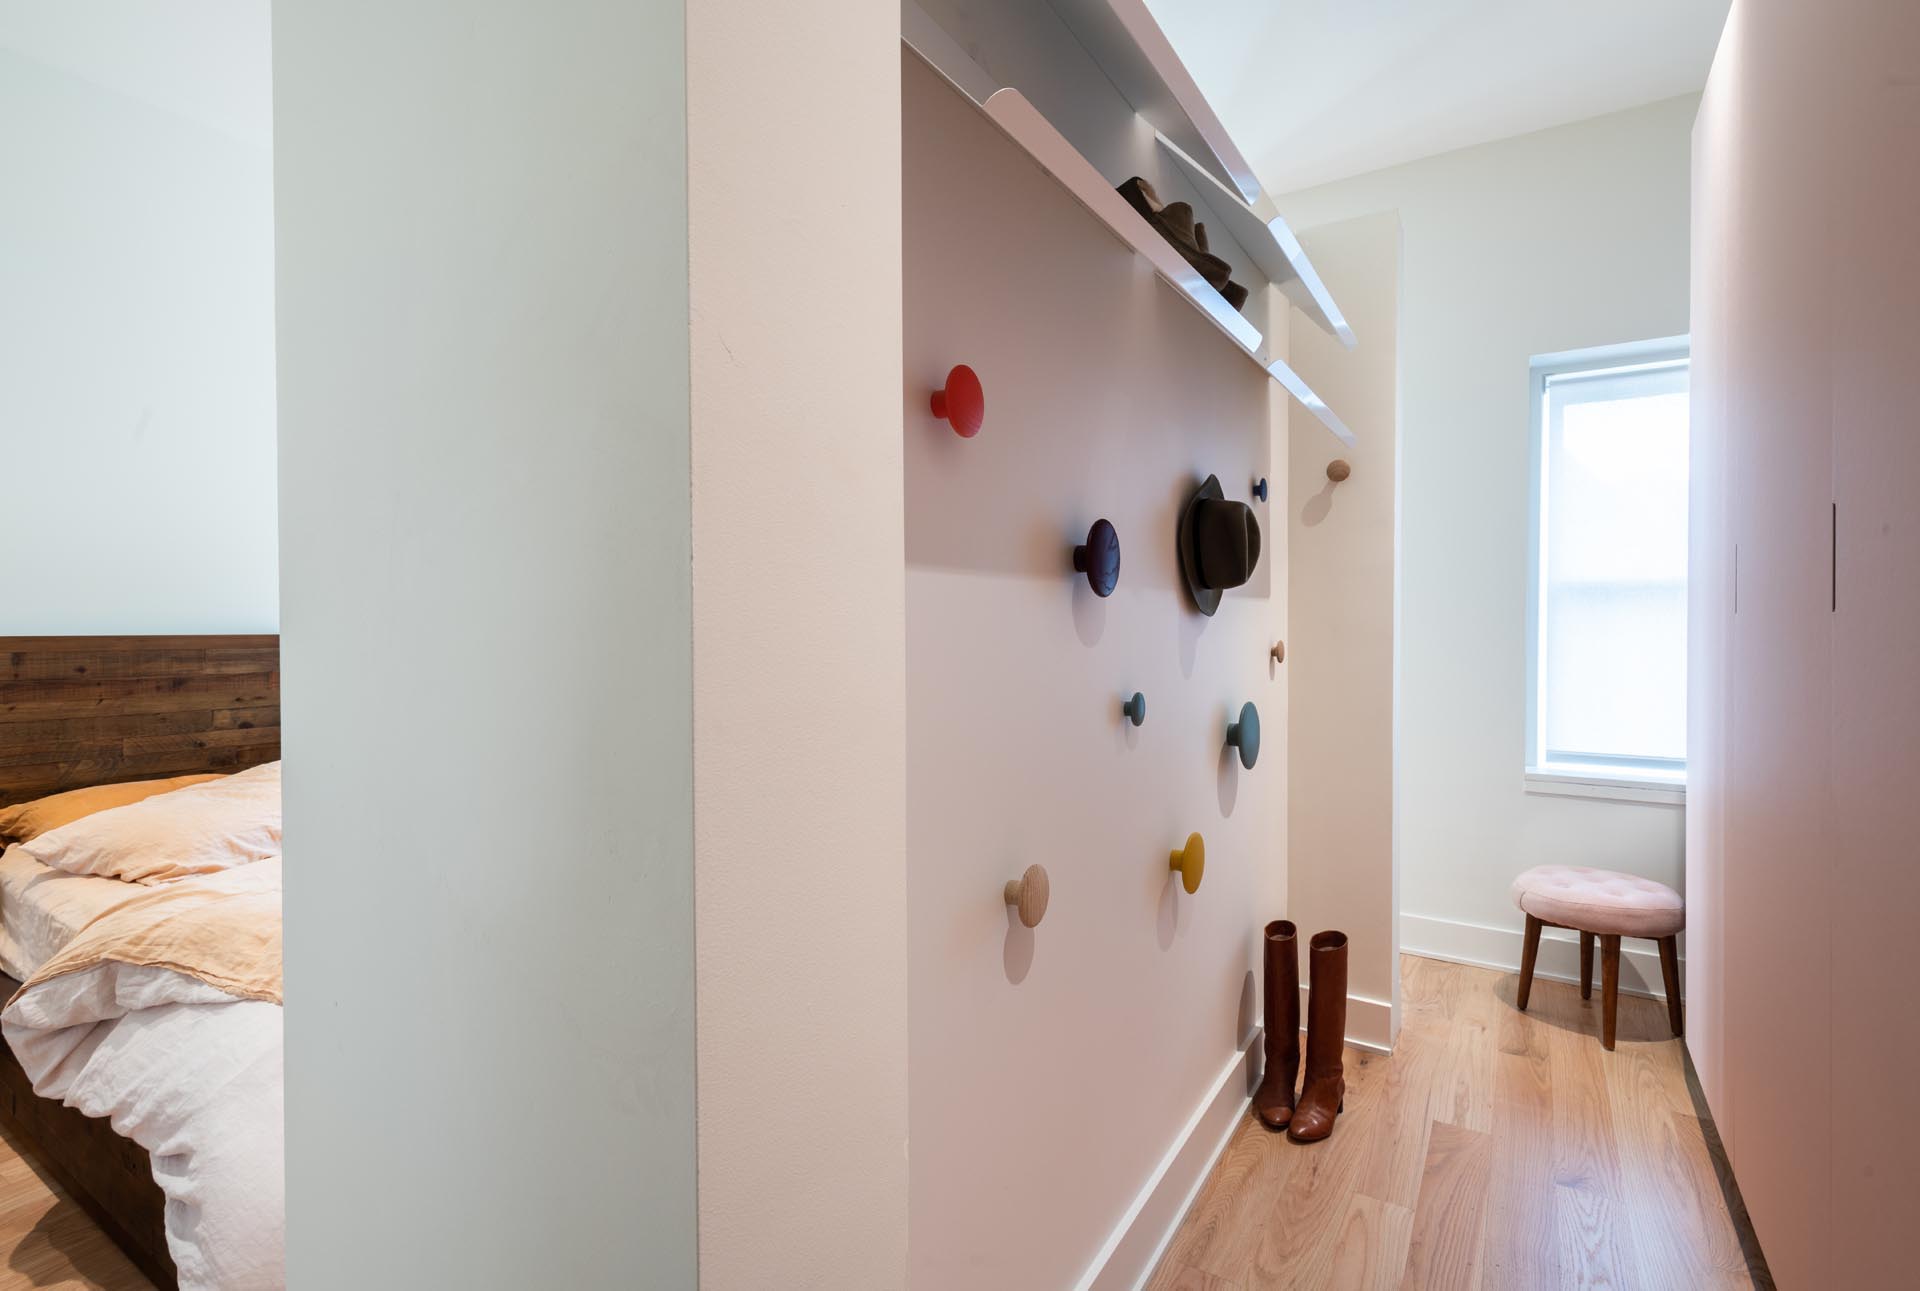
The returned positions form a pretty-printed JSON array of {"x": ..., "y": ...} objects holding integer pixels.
[
  {"x": 1051, "y": 1069},
  {"x": 1805, "y": 683},
  {"x": 1343, "y": 559}
]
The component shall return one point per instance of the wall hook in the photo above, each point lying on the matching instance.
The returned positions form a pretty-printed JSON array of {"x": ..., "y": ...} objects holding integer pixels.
[
  {"x": 1190, "y": 862},
  {"x": 1279, "y": 652},
  {"x": 961, "y": 402},
  {"x": 1028, "y": 895},
  {"x": 1339, "y": 469},
  {"x": 1245, "y": 735},
  {"x": 1260, "y": 488},
  {"x": 1099, "y": 558},
  {"x": 1135, "y": 709}
]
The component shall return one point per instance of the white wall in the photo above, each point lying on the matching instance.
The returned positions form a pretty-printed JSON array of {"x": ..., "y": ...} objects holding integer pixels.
[
  {"x": 1341, "y": 603},
  {"x": 483, "y": 329},
  {"x": 136, "y": 329},
  {"x": 1054, "y": 1070},
  {"x": 1553, "y": 241},
  {"x": 799, "y": 685}
]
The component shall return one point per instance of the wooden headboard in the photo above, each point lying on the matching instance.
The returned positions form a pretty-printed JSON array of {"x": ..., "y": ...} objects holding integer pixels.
[{"x": 78, "y": 711}]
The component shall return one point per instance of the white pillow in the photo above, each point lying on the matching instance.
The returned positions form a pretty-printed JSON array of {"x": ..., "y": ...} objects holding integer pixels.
[{"x": 196, "y": 830}]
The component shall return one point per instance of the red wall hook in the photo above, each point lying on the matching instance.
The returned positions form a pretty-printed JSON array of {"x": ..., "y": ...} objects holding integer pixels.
[{"x": 962, "y": 403}]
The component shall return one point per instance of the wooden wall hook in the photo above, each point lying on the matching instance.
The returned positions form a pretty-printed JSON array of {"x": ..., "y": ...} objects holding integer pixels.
[
  {"x": 1190, "y": 863},
  {"x": 1135, "y": 709},
  {"x": 1339, "y": 469},
  {"x": 1028, "y": 895},
  {"x": 1279, "y": 652}
]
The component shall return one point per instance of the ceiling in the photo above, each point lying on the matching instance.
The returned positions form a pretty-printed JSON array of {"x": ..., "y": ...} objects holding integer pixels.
[
  {"x": 208, "y": 60},
  {"x": 1317, "y": 90}
]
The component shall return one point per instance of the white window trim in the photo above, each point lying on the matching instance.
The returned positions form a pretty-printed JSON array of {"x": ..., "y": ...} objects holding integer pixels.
[{"x": 1609, "y": 783}]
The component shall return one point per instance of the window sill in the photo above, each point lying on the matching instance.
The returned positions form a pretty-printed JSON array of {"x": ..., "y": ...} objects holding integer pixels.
[{"x": 1584, "y": 784}]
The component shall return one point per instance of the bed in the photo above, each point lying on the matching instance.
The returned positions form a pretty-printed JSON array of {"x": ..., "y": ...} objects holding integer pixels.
[{"x": 80, "y": 711}]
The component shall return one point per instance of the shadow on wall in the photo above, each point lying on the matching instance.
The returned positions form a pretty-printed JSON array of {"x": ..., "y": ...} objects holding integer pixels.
[
  {"x": 1318, "y": 507},
  {"x": 1228, "y": 779},
  {"x": 1016, "y": 955}
]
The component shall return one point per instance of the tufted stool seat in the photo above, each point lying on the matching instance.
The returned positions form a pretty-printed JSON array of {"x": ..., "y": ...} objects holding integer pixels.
[{"x": 1608, "y": 905}]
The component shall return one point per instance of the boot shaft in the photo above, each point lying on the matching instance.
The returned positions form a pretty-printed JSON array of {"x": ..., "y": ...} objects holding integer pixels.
[
  {"x": 1327, "y": 1003},
  {"x": 1281, "y": 955}
]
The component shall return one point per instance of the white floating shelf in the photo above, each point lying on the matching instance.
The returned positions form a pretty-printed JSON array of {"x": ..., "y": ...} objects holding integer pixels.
[
  {"x": 1313, "y": 403},
  {"x": 1124, "y": 39},
  {"x": 1023, "y": 123},
  {"x": 1271, "y": 244}
]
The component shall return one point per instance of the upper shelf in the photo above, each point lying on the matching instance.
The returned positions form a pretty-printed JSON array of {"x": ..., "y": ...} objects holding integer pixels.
[
  {"x": 1124, "y": 39},
  {"x": 1271, "y": 244}
]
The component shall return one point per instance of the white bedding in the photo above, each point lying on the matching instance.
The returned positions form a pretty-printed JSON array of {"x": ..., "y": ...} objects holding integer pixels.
[{"x": 190, "y": 1073}]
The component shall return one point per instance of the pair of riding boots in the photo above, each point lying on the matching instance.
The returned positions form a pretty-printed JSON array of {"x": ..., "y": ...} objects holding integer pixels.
[{"x": 1307, "y": 1117}]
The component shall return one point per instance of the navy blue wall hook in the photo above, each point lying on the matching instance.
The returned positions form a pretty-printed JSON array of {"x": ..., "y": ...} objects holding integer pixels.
[
  {"x": 1135, "y": 709},
  {"x": 1099, "y": 558},
  {"x": 1260, "y": 488}
]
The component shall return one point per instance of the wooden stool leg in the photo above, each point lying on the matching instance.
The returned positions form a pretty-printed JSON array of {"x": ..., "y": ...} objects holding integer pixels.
[
  {"x": 1609, "y": 986},
  {"x": 1670, "y": 970},
  {"x": 1527, "y": 955},
  {"x": 1586, "y": 965}
]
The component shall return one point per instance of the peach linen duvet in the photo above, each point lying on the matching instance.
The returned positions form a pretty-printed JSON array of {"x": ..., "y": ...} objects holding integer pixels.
[{"x": 158, "y": 1006}]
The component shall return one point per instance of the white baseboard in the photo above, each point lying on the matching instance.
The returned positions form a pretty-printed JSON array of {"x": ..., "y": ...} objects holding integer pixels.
[
  {"x": 1369, "y": 1021},
  {"x": 1559, "y": 959},
  {"x": 1133, "y": 1249}
]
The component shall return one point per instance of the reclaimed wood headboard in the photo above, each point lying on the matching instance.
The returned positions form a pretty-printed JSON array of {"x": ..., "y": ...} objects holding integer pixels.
[{"x": 78, "y": 711}]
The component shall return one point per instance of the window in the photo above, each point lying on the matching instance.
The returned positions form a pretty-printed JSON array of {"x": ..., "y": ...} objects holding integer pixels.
[{"x": 1607, "y": 604}]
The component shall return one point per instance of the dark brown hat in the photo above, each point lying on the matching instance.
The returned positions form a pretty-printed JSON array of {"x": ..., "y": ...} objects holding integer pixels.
[
  {"x": 1174, "y": 222},
  {"x": 1219, "y": 544}
]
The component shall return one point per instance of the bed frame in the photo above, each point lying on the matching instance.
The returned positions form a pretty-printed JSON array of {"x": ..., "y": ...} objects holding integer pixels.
[{"x": 78, "y": 711}]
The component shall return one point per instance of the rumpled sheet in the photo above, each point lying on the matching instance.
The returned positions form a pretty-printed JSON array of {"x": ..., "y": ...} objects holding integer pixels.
[{"x": 187, "y": 1068}]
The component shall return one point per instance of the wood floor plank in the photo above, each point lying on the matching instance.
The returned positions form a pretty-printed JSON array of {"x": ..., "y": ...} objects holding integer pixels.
[
  {"x": 1591, "y": 1238},
  {"x": 1585, "y": 1152},
  {"x": 1462, "y": 1091},
  {"x": 1522, "y": 1247},
  {"x": 1668, "y": 1194},
  {"x": 1449, "y": 1219},
  {"x": 1297, "y": 1246},
  {"x": 1370, "y": 1253},
  {"x": 1223, "y": 1227}
]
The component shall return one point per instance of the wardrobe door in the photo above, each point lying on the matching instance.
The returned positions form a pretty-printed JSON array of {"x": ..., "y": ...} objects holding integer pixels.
[
  {"x": 1777, "y": 393},
  {"x": 1874, "y": 879}
]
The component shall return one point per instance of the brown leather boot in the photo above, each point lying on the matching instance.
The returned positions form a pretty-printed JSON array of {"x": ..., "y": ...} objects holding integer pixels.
[
  {"x": 1273, "y": 1101},
  {"x": 1323, "y": 1096}
]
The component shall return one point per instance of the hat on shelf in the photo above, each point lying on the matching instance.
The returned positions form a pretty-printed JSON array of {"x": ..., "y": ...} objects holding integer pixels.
[
  {"x": 1219, "y": 544},
  {"x": 1174, "y": 221}
]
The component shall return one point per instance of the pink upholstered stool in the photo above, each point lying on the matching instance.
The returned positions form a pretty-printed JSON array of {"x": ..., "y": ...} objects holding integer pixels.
[{"x": 1607, "y": 905}]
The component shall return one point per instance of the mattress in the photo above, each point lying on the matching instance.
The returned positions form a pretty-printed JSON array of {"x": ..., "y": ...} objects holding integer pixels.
[{"x": 41, "y": 909}]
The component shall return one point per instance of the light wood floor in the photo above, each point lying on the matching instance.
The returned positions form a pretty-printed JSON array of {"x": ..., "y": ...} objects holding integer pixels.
[
  {"x": 47, "y": 1241},
  {"x": 1492, "y": 1149}
]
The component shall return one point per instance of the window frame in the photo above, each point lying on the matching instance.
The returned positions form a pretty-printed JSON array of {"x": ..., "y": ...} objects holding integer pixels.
[{"x": 1625, "y": 783}]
